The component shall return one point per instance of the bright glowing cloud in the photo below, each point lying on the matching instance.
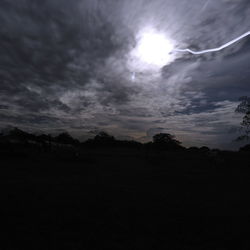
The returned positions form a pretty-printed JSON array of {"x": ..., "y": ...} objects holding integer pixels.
[{"x": 153, "y": 48}]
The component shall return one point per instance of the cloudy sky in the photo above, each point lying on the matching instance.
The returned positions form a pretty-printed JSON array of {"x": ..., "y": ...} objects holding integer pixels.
[{"x": 90, "y": 65}]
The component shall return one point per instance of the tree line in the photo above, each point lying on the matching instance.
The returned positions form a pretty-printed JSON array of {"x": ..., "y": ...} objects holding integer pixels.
[{"x": 102, "y": 139}]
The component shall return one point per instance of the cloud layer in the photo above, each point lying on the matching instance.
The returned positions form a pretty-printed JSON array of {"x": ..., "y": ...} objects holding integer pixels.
[{"x": 67, "y": 66}]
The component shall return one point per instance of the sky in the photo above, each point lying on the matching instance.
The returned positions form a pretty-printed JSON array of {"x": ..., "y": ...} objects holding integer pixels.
[{"x": 86, "y": 66}]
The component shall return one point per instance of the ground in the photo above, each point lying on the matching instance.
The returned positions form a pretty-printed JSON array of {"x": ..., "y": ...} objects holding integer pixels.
[{"x": 126, "y": 199}]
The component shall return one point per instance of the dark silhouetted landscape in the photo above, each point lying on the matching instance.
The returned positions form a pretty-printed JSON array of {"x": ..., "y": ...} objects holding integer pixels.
[{"x": 59, "y": 193}]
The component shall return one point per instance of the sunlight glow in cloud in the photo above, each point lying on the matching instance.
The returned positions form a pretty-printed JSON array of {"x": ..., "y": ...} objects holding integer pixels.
[{"x": 153, "y": 48}]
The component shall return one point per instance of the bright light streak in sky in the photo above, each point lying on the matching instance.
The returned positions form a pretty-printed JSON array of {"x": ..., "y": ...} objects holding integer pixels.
[
  {"x": 215, "y": 49},
  {"x": 151, "y": 45}
]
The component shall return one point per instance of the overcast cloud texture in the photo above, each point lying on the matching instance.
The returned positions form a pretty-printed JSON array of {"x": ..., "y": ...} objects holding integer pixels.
[{"x": 66, "y": 65}]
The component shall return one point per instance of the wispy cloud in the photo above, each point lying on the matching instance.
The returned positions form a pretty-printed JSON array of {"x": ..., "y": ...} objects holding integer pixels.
[{"x": 66, "y": 65}]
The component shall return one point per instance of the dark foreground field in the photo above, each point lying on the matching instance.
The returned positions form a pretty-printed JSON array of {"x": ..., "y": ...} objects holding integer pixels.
[{"x": 126, "y": 199}]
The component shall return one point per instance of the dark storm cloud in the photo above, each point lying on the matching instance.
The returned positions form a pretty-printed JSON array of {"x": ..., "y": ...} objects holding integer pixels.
[
  {"x": 66, "y": 65},
  {"x": 51, "y": 44},
  {"x": 53, "y": 48}
]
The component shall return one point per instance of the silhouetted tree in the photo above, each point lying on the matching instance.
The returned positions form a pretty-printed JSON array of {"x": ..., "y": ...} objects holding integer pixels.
[
  {"x": 100, "y": 140},
  {"x": 104, "y": 137},
  {"x": 193, "y": 149},
  {"x": 19, "y": 135},
  {"x": 66, "y": 138},
  {"x": 204, "y": 149},
  {"x": 165, "y": 138},
  {"x": 166, "y": 141},
  {"x": 246, "y": 148},
  {"x": 44, "y": 138},
  {"x": 244, "y": 108},
  {"x": 45, "y": 141}
]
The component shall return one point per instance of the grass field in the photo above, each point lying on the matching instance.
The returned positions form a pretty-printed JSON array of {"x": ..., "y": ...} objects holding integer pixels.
[{"x": 126, "y": 199}]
